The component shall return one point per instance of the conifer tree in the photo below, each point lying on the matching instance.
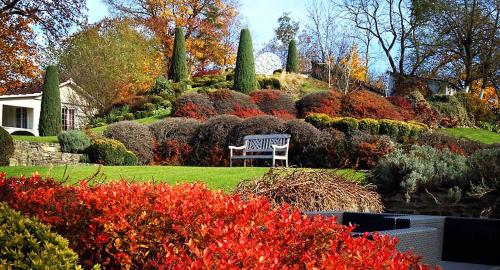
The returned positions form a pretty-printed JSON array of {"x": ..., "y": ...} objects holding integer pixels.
[
  {"x": 178, "y": 69},
  {"x": 50, "y": 114},
  {"x": 292, "y": 61},
  {"x": 244, "y": 73}
]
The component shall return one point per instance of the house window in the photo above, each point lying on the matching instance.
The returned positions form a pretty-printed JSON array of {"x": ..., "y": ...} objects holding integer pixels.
[
  {"x": 21, "y": 117},
  {"x": 68, "y": 118}
]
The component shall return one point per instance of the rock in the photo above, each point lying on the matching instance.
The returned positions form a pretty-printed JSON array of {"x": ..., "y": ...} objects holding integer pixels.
[{"x": 41, "y": 154}]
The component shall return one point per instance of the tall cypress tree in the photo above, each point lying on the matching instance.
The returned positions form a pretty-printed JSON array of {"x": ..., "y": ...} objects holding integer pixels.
[
  {"x": 178, "y": 68},
  {"x": 50, "y": 114},
  {"x": 244, "y": 73},
  {"x": 292, "y": 61}
]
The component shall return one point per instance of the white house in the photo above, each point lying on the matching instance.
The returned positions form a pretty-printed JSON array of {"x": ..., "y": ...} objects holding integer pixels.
[
  {"x": 20, "y": 109},
  {"x": 436, "y": 86}
]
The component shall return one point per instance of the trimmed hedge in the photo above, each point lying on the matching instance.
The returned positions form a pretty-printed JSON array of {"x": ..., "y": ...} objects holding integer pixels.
[
  {"x": 6, "y": 147},
  {"x": 328, "y": 102},
  {"x": 401, "y": 131},
  {"x": 235, "y": 103},
  {"x": 275, "y": 102},
  {"x": 28, "y": 244},
  {"x": 193, "y": 105},
  {"x": 136, "y": 137},
  {"x": 265, "y": 124},
  {"x": 110, "y": 152}
]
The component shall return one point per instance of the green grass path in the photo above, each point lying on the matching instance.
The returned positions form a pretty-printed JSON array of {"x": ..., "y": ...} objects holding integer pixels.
[
  {"x": 214, "y": 177},
  {"x": 473, "y": 134}
]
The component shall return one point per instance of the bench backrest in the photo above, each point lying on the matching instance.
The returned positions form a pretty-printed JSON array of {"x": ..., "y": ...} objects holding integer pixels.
[{"x": 263, "y": 143}]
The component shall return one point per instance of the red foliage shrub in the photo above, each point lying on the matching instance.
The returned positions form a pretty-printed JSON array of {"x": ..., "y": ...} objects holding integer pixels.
[
  {"x": 173, "y": 152},
  {"x": 458, "y": 146},
  {"x": 191, "y": 227},
  {"x": 320, "y": 102},
  {"x": 365, "y": 104},
  {"x": 234, "y": 103},
  {"x": 275, "y": 102},
  {"x": 193, "y": 105},
  {"x": 366, "y": 149},
  {"x": 405, "y": 106},
  {"x": 209, "y": 72}
]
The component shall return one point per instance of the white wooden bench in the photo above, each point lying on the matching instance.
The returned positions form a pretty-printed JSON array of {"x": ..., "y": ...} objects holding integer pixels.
[{"x": 272, "y": 146}]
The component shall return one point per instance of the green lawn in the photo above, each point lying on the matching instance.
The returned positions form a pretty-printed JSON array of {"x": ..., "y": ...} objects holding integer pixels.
[
  {"x": 214, "y": 177},
  {"x": 48, "y": 139},
  {"x": 473, "y": 134}
]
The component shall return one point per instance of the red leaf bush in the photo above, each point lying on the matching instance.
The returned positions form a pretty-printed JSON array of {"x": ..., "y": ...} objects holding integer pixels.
[
  {"x": 235, "y": 103},
  {"x": 193, "y": 105},
  {"x": 275, "y": 102},
  {"x": 365, "y": 104},
  {"x": 320, "y": 102},
  {"x": 144, "y": 226}
]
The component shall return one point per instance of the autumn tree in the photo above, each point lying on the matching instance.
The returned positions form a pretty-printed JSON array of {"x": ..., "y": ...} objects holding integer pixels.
[
  {"x": 178, "y": 69},
  {"x": 18, "y": 48},
  {"x": 111, "y": 61},
  {"x": 207, "y": 25},
  {"x": 285, "y": 32},
  {"x": 50, "y": 123},
  {"x": 244, "y": 73}
]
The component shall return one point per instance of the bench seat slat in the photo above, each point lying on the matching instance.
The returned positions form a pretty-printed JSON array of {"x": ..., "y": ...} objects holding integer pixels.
[{"x": 259, "y": 157}]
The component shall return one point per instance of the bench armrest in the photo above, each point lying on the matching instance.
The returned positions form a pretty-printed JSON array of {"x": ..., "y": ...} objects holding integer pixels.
[
  {"x": 279, "y": 147},
  {"x": 236, "y": 147}
]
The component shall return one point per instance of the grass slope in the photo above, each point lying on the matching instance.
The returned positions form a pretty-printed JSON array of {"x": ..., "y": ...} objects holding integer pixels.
[
  {"x": 473, "y": 134},
  {"x": 214, "y": 177}
]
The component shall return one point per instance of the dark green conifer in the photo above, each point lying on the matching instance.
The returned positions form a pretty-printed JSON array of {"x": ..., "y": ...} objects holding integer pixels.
[
  {"x": 244, "y": 73},
  {"x": 178, "y": 68},
  {"x": 292, "y": 61},
  {"x": 50, "y": 114}
]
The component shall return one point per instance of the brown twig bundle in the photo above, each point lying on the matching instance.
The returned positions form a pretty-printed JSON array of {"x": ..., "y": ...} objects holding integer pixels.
[{"x": 312, "y": 190}]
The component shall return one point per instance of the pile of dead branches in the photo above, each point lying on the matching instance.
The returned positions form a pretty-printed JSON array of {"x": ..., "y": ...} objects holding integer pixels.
[{"x": 312, "y": 190}]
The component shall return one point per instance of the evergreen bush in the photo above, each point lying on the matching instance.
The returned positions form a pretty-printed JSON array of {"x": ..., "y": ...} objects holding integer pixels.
[
  {"x": 50, "y": 123},
  {"x": 110, "y": 152},
  {"x": 244, "y": 74},
  {"x": 28, "y": 244},
  {"x": 178, "y": 69},
  {"x": 6, "y": 147},
  {"x": 135, "y": 136},
  {"x": 73, "y": 141}
]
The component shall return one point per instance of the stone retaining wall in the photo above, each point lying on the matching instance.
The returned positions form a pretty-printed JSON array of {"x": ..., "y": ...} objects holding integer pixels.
[{"x": 41, "y": 154}]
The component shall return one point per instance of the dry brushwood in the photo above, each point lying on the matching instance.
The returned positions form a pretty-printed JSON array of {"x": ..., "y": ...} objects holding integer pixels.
[{"x": 310, "y": 190}]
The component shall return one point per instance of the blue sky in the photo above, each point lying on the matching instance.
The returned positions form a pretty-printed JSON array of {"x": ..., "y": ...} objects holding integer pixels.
[{"x": 259, "y": 15}]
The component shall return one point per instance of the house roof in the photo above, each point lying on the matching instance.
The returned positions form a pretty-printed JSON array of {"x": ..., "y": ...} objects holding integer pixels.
[{"x": 30, "y": 90}]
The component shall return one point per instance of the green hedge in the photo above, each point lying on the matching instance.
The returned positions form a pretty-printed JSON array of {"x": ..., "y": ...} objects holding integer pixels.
[
  {"x": 73, "y": 141},
  {"x": 28, "y": 244},
  {"x": 6, "y": 147},
  {"x": 401, "y": 131},
  {"x": 111, "y": 152}
]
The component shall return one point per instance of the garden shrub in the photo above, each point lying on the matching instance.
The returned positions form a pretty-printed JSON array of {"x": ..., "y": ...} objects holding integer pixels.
[
  {"x": 129, "y": 116},
  {"x": 73, "y": 141},
  {"x": 110, "y": 152},
  {"x": 311, "y": 191},
  {"x": 136, "y": 137},
  {"x": 268, "y": 83},
  {"x": 479, "y": 110},
  {"x": 420, "y": 168},
  {"x": 424, "y": 112},
  {"x": 164, "y": 88},
  {"x": 212, "y": 141},
  {"x": 328, "y": 102},
  {"x": 275, "y": 102},
  {"x": 366, "y": 149},
  {"x": 451, "y": 111},
  {"x": 389, "y": 128},
  {"x": 265, "y": 124},
  {"x": 159, "y": 226},
  {"x": 366, "y": 104},
  {"x": 154, "y": 99},
  {"x": 369, "y": 125},
  {"x": 28, "y": 244},
  {"x": 174, "y": 139},
  {"x": 441, "y": 141},
  {"x": 235, "y": 103},
  {"x": 345, "y": 124},
  {"x": 333, "y": 150},
  {"x": 193, "y": 105},
  {"x": 303, "y": 142},
  {"x": 485, "y": 168},
  {"x": 6, "y": 147}
]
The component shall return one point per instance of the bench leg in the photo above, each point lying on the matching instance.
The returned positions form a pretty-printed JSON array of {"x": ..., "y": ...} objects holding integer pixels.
[
  {"x": 230, "y": 162},
  {"x": 244, "y": 163},
  {"x": 274, "y": 162},
  {"x": 286, "y": 162}
]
